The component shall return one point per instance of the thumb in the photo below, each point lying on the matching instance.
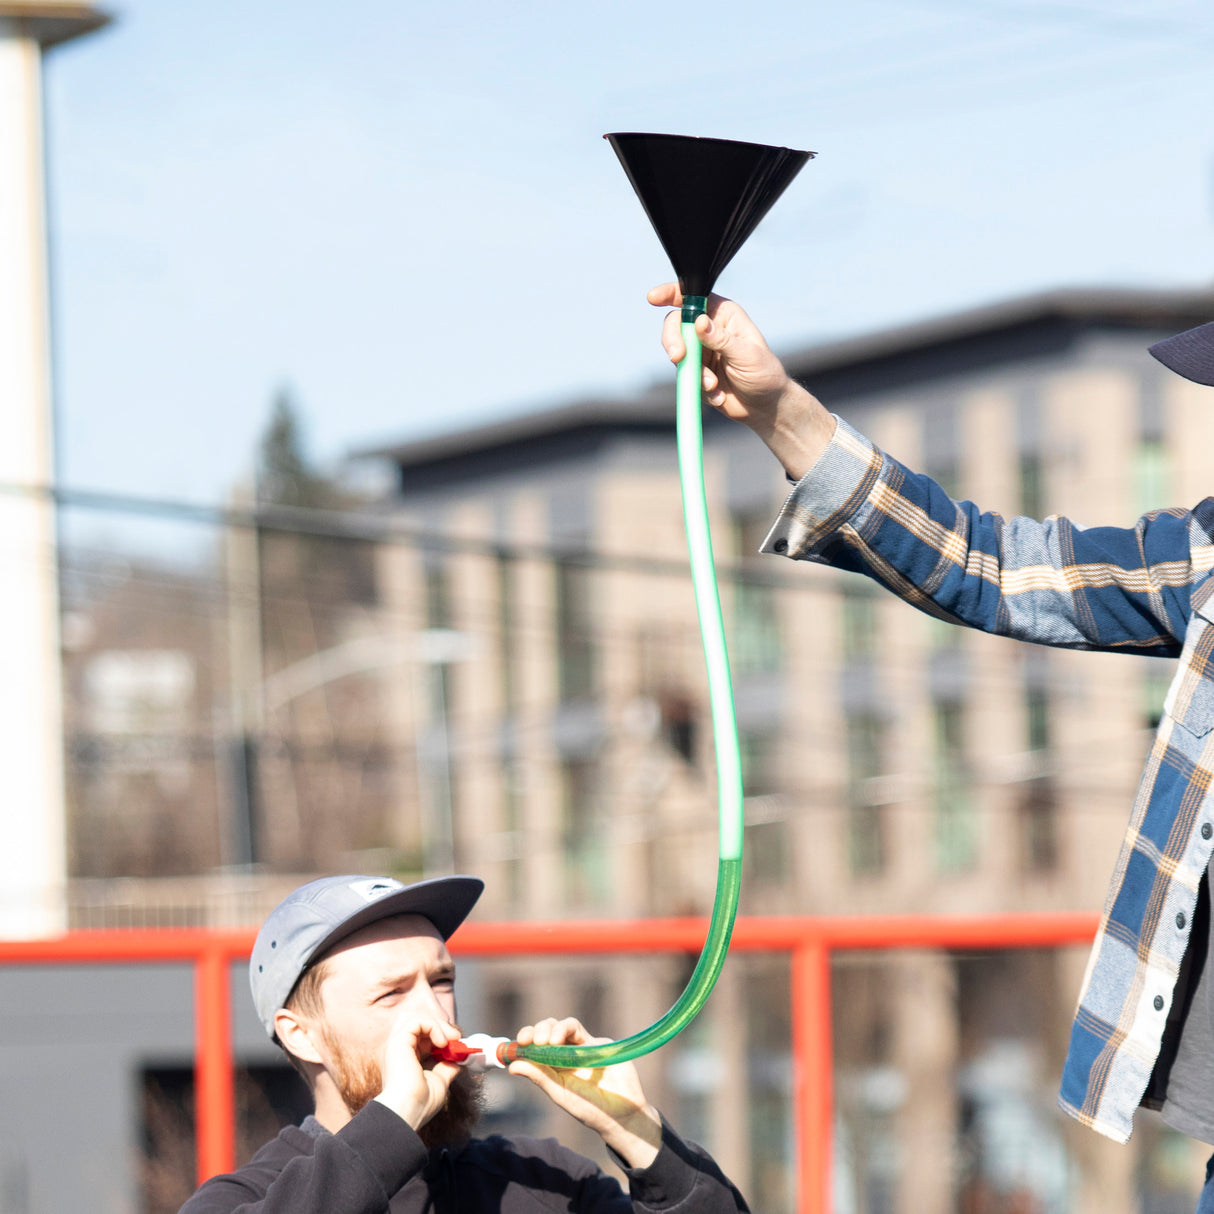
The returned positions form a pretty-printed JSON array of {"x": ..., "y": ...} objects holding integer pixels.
[{"x": 712, "y": 336}]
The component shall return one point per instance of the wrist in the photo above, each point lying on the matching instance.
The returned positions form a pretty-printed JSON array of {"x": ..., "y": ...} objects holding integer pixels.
[
  {"x": 403, "y": 1106},
  {"x": 637, "y": 1138},
  {"x": 800, "y": 431}
]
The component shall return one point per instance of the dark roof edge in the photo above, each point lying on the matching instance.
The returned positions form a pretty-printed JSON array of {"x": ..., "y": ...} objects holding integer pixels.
[
  {"x": 653, "y": 408},
  {"x": 646, "y": 410},
  {"x": 1148, "y": 308}
]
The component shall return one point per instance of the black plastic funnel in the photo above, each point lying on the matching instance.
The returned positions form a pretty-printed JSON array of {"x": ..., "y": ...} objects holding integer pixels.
[{"x": 704, "y": 197}]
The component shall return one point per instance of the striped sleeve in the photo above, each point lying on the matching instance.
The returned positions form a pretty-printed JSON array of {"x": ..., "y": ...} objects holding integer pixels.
[{"x": 1051, "y": 582}]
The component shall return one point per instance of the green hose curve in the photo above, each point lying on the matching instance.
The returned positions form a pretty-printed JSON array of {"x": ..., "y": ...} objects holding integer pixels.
[{"x": 725, "y": 736}]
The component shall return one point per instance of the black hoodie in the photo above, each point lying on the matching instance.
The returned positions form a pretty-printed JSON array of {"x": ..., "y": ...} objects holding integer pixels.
[{"x": 377, "y": 1165}]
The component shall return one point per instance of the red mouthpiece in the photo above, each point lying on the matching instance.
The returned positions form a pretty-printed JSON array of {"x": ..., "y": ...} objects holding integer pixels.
[{"x": 456, "y": 1051}]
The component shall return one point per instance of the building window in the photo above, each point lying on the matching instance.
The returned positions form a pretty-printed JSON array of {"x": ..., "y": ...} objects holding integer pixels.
[
  {"x": 956, "y": 831},
  {"x": 512, "y": 826},
  {"x": 941, "y": 447},
  {"x": 437, "y": 590},
  {"x": 1030, "y": 443},
  {"x": 441, "y": 773},
  {"x": 767, "y": 858},
  {"x": 859, "y": 622},
  {"x": 766, "y": 842},
  {"x": 1032, "y": 498},
  {"x": 576, "y": 657},
  {"x": 1156, "y": 679},
  {"x": 511, "y": 769},
  {"x": 586, "y": 867},
  {"x": 756, "y": 625},
  {"x": 757, "y": 751},
  {"x": 1040, "y": 734},
  {"x": 1152, "y": 467},
  {"x": 439, "y": 617},
  {"x": 1040, "y": 800},
  {"x": 1152, "y": 475},
  {"x": 866, "y": 851},
  {"x": 507, "y": 634}
]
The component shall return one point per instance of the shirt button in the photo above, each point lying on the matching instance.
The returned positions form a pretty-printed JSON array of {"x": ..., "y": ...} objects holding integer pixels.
[
  {"x": 1159, "y": 1003},
  {"x": 1206, "y": 830},
  {"x": 780, "y": 545},
  {"x": 1180, "y": 920}
]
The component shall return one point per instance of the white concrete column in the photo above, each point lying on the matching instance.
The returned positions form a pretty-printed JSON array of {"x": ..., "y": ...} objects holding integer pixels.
[
  {"x": 32, "y": 846},
  {"x": 32, "y": 856}
]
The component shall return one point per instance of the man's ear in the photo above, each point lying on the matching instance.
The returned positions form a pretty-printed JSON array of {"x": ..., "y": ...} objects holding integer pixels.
[{"x": 295, "y": 1033}]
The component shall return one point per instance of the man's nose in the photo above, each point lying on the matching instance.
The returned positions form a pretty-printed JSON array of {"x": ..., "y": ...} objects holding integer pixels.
[{"x": 430, "y": 1001}]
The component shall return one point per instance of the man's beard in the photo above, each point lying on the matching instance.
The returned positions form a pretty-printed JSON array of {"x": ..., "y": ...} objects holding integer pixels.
[{"x": 360, "y": 1080}]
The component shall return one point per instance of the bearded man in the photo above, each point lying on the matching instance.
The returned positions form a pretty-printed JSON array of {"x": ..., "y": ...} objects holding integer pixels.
[{"x": 352, "y": 978}]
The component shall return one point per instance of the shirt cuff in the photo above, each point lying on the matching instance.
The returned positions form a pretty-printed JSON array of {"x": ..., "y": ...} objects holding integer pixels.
[
  {"x": 668, "y": 1180},
  {"x": 386, "y": 1144},
  {"x": 832, "y": 493}
]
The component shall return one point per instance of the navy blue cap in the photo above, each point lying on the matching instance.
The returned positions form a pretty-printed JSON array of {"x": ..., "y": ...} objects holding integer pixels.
[
  {"x": 1190, "y": 353},
  {"x": 316, "y": 916}
]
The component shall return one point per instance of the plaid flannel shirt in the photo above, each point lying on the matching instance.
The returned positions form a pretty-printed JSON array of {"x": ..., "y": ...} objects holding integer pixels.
[{"x": 1144, "y": 590}]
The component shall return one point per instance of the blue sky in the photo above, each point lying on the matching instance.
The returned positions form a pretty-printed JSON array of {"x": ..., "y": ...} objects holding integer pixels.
[{"x": 410, "y": 219}]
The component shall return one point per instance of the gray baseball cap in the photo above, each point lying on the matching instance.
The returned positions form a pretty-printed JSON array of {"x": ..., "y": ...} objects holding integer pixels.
[
  {"x": 1190, "y": 353},
  {"x": 316, "y": 916}
]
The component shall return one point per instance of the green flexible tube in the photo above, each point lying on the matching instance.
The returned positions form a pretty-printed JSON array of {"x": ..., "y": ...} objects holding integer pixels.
[{"x": 725, "y": 736}]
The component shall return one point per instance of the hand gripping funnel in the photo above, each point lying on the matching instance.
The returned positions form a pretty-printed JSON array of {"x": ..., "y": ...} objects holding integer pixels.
[{"x": 704, "y": 197}]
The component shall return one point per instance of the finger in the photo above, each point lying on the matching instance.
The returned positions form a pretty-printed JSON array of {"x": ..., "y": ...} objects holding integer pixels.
[
  {"x": 667, "y": 295},
  {"x": 445, "y": 1072},
  {"x": 672, "y": 337},
  {"x": 440, "y": 1031},
  {"x": 570, "y": 1032},
  {"x": 425, "y": 1033},
  {"x": 544, "y": 1030},
  {"x": 528, "y": 1070}
]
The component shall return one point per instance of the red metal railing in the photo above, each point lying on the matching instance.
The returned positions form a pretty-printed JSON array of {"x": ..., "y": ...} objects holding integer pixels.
[{"x": 808, "y": 941}]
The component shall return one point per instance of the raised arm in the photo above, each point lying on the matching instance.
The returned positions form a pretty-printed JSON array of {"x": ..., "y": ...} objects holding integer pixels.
[{"x": 853, "y": 507}]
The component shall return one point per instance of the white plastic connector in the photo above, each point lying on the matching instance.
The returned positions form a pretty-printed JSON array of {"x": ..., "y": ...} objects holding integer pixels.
[{"x": 488, "y": 1046}]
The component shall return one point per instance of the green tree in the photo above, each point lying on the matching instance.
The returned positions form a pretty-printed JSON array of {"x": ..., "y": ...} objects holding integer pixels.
[
  {"x": 316, "y": 762},
  {"x": 285, "y": 476}
]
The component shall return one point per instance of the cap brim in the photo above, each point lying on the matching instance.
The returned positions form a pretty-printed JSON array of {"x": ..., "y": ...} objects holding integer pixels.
[
  {"x": 1190, "y": 354},
  {"x": 445, "y": 901}
]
